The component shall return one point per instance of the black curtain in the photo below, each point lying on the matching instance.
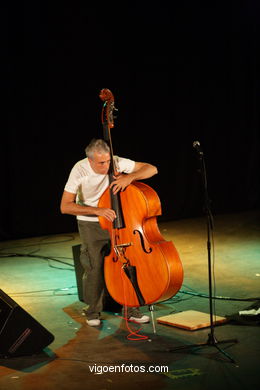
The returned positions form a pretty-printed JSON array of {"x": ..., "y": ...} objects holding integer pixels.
[{"x": 179, "y": 73}]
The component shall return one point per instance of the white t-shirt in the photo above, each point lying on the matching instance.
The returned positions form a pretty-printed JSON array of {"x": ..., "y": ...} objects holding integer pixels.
[{"x": 89, "y": 186}]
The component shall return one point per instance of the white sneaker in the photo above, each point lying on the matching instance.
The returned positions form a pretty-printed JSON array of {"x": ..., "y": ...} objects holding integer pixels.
[
  {"x": 94, "y": 322},
  {"x": 142, "y": 320}
]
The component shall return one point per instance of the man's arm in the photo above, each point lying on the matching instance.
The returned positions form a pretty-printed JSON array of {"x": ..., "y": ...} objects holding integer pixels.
[
  {"x": 68, "y": 205},
  {"x": 141, "y": 171}
]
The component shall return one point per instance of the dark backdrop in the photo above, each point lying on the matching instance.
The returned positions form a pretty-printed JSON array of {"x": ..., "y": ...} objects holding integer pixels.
[{"x": 179, "y": 73}]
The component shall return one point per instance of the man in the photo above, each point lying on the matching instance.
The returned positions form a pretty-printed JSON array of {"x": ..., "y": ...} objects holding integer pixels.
[{"x": 87, "y": 182}]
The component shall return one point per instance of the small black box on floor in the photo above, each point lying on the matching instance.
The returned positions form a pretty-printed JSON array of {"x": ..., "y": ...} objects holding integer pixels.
[
  {"x": 109, "y": 303},
  {"x": 20, "y": 333}
]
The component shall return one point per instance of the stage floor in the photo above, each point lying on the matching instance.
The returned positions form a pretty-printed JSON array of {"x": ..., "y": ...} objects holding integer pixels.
[{"x": 39, "y": 275}]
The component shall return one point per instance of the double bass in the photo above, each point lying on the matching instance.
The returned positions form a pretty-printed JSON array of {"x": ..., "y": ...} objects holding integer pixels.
[{"x": 142, "y": 268}]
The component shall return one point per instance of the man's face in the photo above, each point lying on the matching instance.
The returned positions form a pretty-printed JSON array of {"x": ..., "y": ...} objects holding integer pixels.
[{"x": 100, "y": 163}]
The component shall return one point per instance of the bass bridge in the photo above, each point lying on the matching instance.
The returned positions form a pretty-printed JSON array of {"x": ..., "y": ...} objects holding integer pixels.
[{"x": 120, "y": 250}]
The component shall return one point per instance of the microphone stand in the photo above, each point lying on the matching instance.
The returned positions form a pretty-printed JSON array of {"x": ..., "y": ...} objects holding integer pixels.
[{"x": 212, "y": 341}]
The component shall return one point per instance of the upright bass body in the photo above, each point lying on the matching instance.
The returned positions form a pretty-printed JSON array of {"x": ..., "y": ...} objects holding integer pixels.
[{"x": 140, "y": 245}]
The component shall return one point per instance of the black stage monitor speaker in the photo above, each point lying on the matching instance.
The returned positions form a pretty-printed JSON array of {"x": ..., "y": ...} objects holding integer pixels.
[
  {"x": 20, "y": 333},
  {"x": 109, "y": 303}
]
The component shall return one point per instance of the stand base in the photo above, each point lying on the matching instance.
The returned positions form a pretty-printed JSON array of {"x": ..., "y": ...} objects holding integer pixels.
[{"x": 211, "y": 342}]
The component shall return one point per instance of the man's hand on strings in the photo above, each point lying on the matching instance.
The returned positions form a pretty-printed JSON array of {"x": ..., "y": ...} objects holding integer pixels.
[
  {"x": 109, "y": 214},
  {"x": 120, "y": 183}
]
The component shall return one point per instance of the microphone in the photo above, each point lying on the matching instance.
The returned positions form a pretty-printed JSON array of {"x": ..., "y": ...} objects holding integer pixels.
[{"x": 196, "y": 146}]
